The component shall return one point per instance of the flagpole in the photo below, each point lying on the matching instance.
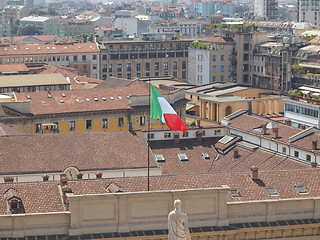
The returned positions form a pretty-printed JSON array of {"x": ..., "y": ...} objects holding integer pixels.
[{"x": 148, "y": 138}]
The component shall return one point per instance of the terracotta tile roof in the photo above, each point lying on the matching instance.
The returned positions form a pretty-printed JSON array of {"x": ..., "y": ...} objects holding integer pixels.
[
  {"x": 283, "y": 181},
  {"x": 218, "y": 40},
  {"x": 13, "y": 68},
  {"x": 192, "y": 148},
  {"x": 54, "y": 152},
  {"x": 36, "y": 197},
  {"x": 250, "y": 123},
  {"x": 306, "y": 142},
  {"x": 76, "y": 81},
  {"x": 49, "y": 48},
  {"x": 24, "y": 39},
  {"x": 9, "y": 131},
  {"x": 54, "y": 106}
]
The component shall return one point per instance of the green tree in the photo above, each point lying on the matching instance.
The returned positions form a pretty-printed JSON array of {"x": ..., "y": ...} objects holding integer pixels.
[
  {"x": 29, "y": 30},
  {"x": 52, "y": 11}
]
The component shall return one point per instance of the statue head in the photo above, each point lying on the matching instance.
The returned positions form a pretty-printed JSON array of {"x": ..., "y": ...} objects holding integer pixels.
[{"x": 177, "y": 205}]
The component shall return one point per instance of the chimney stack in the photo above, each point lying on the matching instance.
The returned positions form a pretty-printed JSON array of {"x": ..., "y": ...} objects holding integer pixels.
[
  {"x": 79, "y": 175},
  {"x": 303, "y": 126},
  {"x": 8, "y": 179},
  {"x": 276, "y": 132},
  {"x": 314, "y": 145},
  {"x": 99, "y": 175},
  {"x": 65, "y": 190},
  {"x": 45, "y": 177},
  {"x": 176, "y": 137},
  {"x": 288, "y": 122},
  {"x": 199, "y": 136},
  {"x": 235, "y": 153},
  {"x": 64, "y": 181},
  {"x": 314, "y": 164},
  {"x": 264, "y": 129},
  {"x": 254, "y": 173}
]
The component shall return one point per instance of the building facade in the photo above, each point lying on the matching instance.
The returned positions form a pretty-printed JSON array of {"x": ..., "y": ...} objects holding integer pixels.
[
  {"x": 309, "y": 11},
  {"x": 265, "y": 9},
  {"x": 130, "y": 59}
]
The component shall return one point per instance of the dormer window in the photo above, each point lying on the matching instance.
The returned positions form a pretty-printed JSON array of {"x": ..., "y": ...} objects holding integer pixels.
[{"x": 14, "y": 203}]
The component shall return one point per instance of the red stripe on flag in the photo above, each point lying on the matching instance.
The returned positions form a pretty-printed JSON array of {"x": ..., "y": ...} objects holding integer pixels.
[{"x": 175, "y": 123}]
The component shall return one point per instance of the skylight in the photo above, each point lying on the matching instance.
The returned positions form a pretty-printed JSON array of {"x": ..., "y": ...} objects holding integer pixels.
[
  {"x": 79, "y": 46},
  {"x": 183, "y": 157},
  {"x": 112, "y": 98},
  {"x": 234, "y": 193},
  {"x": 15, "y": 49},
  {"x": 159, "y": 157},
  {"x": 96, "y": 99},
  {"x": 65, "y": 47},
  {"x": 60, "y": 100},
  {"x": 272, "y": 191},
  {"x": 128, "y": 97},
  {"x": 48, "y": 48},
  {"x": 39, "y": 48},
  {"x": 53, "y": 47},
  {"x": 120, "y": 97},
  {"x": 6, "y": 49},
  {"x": 63, "y": 95},
  {"x": 206, "y": 156},
  {"x": 27, "y": 48},
  {"x": 77, "y": 100},
  {"x": 49, "y": 95},
  {"x": 44, "y": 102},
  {"x": 103, "y": 99},
  {"x": 28, "y": 97},
  {"x": 301, "y": 189},
  {"x": 87, "y": 99}
]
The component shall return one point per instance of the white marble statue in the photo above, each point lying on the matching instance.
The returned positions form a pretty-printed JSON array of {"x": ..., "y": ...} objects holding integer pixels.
[{"x": 178, "y": 223}]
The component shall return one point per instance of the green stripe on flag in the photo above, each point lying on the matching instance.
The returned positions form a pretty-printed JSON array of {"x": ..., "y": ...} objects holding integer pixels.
[{"x": 155, "y": 108}]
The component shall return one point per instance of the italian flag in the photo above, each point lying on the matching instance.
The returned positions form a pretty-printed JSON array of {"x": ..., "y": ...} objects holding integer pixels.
[{"x": 161, "y": 109}]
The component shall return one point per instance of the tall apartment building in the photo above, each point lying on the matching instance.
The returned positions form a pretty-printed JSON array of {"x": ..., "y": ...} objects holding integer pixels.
[
  {"x": 265, "y": 9},
  {"x": 84, "y": 57},
  {"x": 213, "y": 64},
  {"x": 130, "y": 59},
  {"x": 309, "y": 11},
  {"x": 206, "y": 8}
]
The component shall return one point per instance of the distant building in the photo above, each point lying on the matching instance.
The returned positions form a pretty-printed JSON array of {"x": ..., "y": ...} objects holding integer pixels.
[
  {"x": 68, "y": 27},
  {"x": 131, "y": 26},
  {"x": 206, "y": 8},
  {"x": 36, "y": 21},
  {"x": 309, "y": 11},
  {"x": 265, "y": 9}
]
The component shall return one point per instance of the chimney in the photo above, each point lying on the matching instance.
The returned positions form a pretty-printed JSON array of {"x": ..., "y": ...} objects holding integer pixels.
[
  {"x": 79, "y": 176},
  {"x": 8, "y": 179},
  {"x": 264, "y": 129},
  {"x": 199, "y": 136},
  {"x": 176, "y": 137},
  {"x": 99, "y": 175},
  {"x": 314, "y": 164},
  {"x": 249, "y": 108},
  {"x": 314, "y": 145},
  {"x": 130, "y": 126},
  {"x": 96, "y": 38},
  {"x": 62, "y": 175},
  {"x": 45, "y": 178},
  {"x": 303, "y": 126},
  {"x": 288, "y": 122},
  {"x": 235, "y": 153},
  {"x": 198, "y": 123},
  {"x": 254, "y": 173},
  {"x": 276, "y": 132}
]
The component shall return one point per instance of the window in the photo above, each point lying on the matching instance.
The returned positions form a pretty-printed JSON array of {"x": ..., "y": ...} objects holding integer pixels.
[
  {"x": 72, "y": 125},
  {"x": 308, "y": 157},
  {"x": 186, "y": 134},
  {"x": 284, "y": 150},
  {"x": 150, "y": 135},
  {"x": 159, "y": 157},
  {"x": 183, "y": 74},
  {"x": 94, "y": 66},
  {"x": 156, "y": 66},
  {"x": 217, "y": 132},
  {"x": 296, "y": 153},
  {"x": 167, "y": 135},
  {"x": 214, "y": 68},
  {"x": 75, "y": 58},
  {"x": 175, "y": 65},
  {"x": 104, "y": 57},
  {"x": 301, "y": 189},
  {"x": 38, "y": 127},
  {"x": 222, "y": 68},
  {"x": 119, "y": 67},
  {"x": 89, "y": 124},
  {"x": 105, "y": 123},
  {"x": 147, "y": 66},
  {"x": 222, "y": 58},
  {"x": 128, "y": 67},
  {"x": 272, "y": 191},
  {"x": 184, "y": 65},
  {"x": 214, "y": 58},
  {"x": 165, "y": 65},
  {"x": 138, "y": 67},
  {"x": 120, "y": 122},
  {"x": 84, "y": 58},
  {"x": 206, "y": 156},
  {"x": 175, "y": 74},
  {"x": 110, "y": 68},
  {"x": 142, "y": 120},
  {"x": 183, "y": 157}
]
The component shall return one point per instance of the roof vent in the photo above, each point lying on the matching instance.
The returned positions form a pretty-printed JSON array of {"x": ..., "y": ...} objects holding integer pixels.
[
  {"x": 43, "y": 102},
  {"x": 206, "y": 156},
  {"x": 103, "y": 99},
  {"x": 112, "y": 98},
  {"x": 60, "y": 100},
  {"x": 120, "y": 97},
  {"x": 96, "y": 99},
  {"x": 113, "y": 188},
  {"x": 87, "y": 99}
]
